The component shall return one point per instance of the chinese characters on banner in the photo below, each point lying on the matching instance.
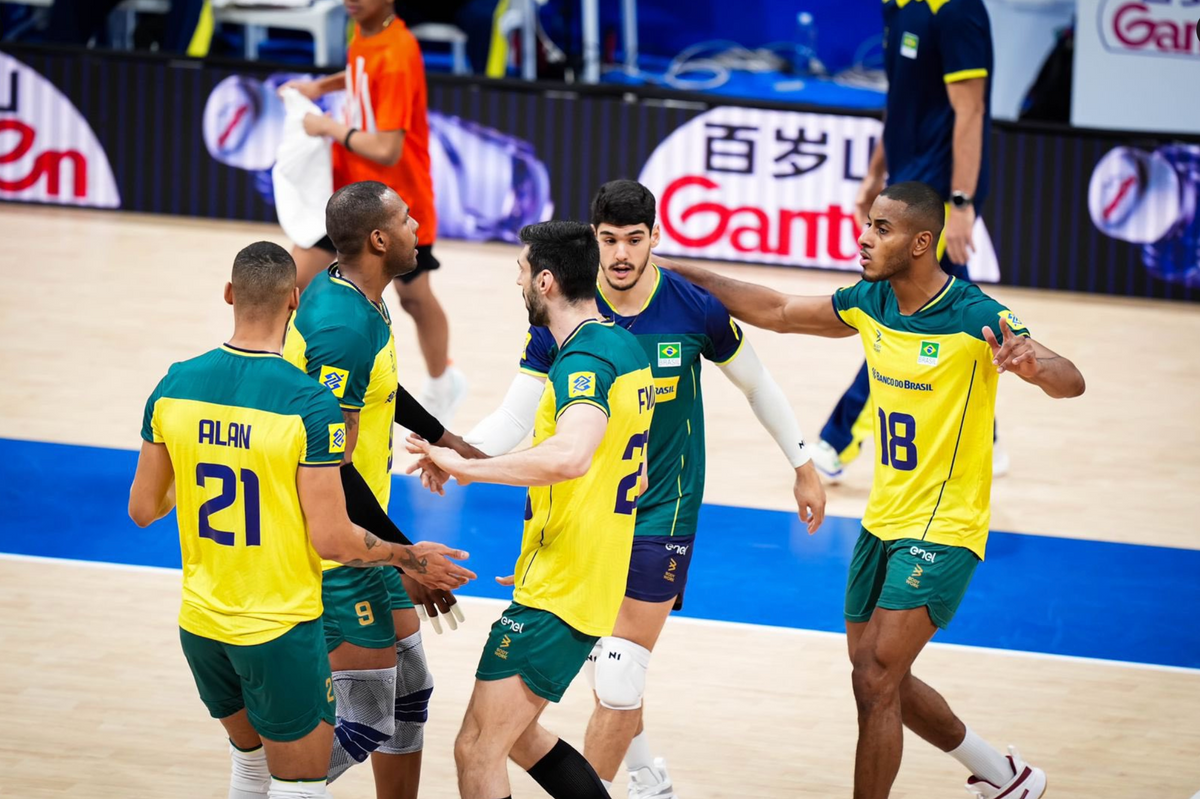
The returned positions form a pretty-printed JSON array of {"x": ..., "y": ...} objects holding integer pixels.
[{"x": 748, "y": 184}]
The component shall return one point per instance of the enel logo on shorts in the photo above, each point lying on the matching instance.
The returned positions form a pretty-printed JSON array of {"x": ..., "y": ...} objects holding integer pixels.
[
  {"x": 515, "y": 626},
  {"x": 929, "y": 557}
]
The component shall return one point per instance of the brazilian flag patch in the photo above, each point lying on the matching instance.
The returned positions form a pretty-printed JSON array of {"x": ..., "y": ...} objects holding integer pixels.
[{"x": 928, "y": 356}]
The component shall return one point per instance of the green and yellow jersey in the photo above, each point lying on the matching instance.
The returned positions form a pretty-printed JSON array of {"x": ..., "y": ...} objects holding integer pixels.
[
  {"x": 344, "y": 340},
  {"x": 933, "y": 385},
  {"x": 680, "y": 325},
  {"x": 579, "y": 534},
  {"x": 237, "y": 426}
]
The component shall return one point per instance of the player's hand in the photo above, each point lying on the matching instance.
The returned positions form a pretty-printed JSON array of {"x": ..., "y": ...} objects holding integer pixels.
[
  {"x": 959, "y": 224},
  {"x": 810, "y": 496},
  {"x": 445, "y": 459},
  {"x": 316, "y": 124},
  {"x": 429, "y": 603},
  {"x": 868, "y": 190},
  {"x": 508, "y": 581},
  {"x": 451, "y": 441},
  {"x": 432, "y": 565},
  {"x": 432, "y": 477},
  {"x": 309, "y": 88},
  {"x": 1015, "y": 354}
]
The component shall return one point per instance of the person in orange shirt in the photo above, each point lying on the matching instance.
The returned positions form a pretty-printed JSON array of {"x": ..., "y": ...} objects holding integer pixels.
[{"x": 384, "y": 136}]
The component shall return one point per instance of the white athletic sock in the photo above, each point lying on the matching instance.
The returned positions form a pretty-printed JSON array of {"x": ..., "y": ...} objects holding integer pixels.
[
  {"x": 638, "y": 756},
  {"x": 285, "y": 789},
  {"x": 249, "y": 777},
  {"x": 442, "y": 383},
  {"x": 982, "y": 760}
]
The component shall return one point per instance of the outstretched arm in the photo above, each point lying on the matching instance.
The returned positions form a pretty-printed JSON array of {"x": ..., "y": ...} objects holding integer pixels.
[
  {"x": 565, "y": 455},
  {"x": 771, "y": 406},
  {"x": 764, "y": 307}
]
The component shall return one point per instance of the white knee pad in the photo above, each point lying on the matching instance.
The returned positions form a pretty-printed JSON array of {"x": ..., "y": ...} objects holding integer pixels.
[
  {"x": 621, "y": 673},
  {"x": 365, "y": 715},
  {"x": 414, "y": 687},
  {"x": 589, "y": 665}
]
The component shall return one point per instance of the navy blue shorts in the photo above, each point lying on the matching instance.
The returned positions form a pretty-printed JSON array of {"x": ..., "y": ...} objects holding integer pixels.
[{"x": 658, "y": 568}]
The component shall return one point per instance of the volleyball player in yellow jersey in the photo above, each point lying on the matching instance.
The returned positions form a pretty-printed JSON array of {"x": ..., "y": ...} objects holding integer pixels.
[
  {"x": 935, "y": 347},
  {"x": 585, "y": 471},
  {"x": 246, "y": 434}
]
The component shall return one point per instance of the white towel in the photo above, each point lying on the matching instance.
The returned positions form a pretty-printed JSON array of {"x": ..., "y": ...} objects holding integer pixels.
[{"x": 302, "y": 175}]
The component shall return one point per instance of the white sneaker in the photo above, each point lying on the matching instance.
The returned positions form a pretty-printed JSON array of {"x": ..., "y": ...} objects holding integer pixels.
[
  {"x": 651, "y": 783},
  {"x": 442, "y": 397},
  {"x": 1027, "y": 782},
  {"x": 827, "y": 460},
  {"x": 1000, "y": 462}
]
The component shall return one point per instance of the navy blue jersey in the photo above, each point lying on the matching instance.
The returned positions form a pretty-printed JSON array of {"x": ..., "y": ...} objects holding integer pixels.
[
  {"x": 927, "y": 45},
  {"x": 679, "y": 324}
]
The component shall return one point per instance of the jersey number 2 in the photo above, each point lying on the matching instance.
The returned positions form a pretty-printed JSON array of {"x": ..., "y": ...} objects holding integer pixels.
[
  {"x": 629, "y": 482},
  {"x": 895, "y": 442},
  {"x": 217, "y": 471}
]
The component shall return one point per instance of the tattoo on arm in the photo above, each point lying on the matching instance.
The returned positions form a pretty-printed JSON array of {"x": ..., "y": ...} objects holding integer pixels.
[
  {"x": 411, "y": 564},
  {"x": 370, "y": 542}
]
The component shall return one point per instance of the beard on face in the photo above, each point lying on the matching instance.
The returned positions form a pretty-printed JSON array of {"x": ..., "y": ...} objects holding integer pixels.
[
  {"x": 539, "y": 315},
  {"x": 887, "y": 269},
  {"x": 633, "y": 277}
]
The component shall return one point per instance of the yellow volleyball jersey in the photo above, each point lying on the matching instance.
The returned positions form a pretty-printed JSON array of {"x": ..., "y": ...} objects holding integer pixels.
[
  {"x": 238, "y": 425},
  {"x": 579, "y": 533},
  {"x": 344, "y": 340},
  {"x": 933, "y": 386}
]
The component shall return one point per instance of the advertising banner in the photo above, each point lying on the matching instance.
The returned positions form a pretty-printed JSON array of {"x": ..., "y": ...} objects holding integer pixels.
[
  {"x": 48, "y": 152},
  {"x": 1070, "y": 210},
  {"x": 1130, "y": 58}
]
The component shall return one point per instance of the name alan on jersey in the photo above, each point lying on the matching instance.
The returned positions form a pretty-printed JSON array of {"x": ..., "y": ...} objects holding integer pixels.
[{"x": 232, "y": 434}]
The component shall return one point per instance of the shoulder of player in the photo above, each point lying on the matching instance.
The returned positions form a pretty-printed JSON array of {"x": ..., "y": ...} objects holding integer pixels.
[
  {"x": 975, "y": 308},
  {"x": 299, "y": 391},
  {"x": 596, "y": 341},
  {"x": 684, "y": 303},
  {"x": 181, "y": 373}
]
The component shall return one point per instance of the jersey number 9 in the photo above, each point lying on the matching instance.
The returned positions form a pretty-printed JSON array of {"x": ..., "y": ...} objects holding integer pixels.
[{"x": 229, "y": 480}]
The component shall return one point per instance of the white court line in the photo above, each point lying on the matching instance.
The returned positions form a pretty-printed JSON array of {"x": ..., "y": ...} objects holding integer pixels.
[{"x": 688, "y": 621}]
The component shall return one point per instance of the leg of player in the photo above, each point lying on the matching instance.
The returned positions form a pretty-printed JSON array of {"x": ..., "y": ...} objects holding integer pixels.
[
  {"x": 250, "y": 778},
  {"x": 883, "y": 655},
  {"x": 446, "y": 386},
  {"x": 556, "y": 765},
  {"x": 361, "y": 639},
  {"x": 310, "y": 261},
  {"x": 277, "y": 768},
  {"x": 497, "y": 716},
  {"x": 618, "y": 675},
  {"x": 397, "y": 761},
  {"x": 364, "y": 681}
]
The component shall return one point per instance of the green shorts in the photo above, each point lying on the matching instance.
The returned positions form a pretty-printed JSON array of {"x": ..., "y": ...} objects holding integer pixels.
[
  {"x": 284, "y": 684},
  {"x": 395, "y": 586},
  {"x": 543, "y": 649},
  {"x": 358, "y": 609},
  {"x": 907, "y": 573}
]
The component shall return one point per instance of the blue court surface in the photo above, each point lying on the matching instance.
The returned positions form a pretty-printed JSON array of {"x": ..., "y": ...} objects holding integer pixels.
[{"x": 1034, "y": 593}]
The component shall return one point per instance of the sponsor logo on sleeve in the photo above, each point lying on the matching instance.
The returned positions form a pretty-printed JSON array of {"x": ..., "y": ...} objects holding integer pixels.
[
  {"x": 334, "y": 379},
  {"x": 581, "y": 384}
]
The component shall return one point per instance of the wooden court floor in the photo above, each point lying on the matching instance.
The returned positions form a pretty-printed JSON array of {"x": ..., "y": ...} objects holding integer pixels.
[{"x": 97, "y": 702}]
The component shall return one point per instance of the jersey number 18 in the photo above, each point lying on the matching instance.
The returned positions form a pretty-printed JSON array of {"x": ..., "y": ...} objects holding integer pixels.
[{"x": 897, "y": 440}]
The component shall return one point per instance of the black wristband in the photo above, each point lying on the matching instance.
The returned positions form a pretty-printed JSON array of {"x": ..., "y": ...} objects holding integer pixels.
[
  {"x": 346, "y": 141},
  {"x": 412, "y": 414},
  {"x": 364, "y": 510}
]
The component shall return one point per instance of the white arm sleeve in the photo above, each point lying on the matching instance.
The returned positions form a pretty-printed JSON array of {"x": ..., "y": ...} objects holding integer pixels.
[
  {"x": 507, "y": 426},
  {"x": 768, "y": 402}
]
